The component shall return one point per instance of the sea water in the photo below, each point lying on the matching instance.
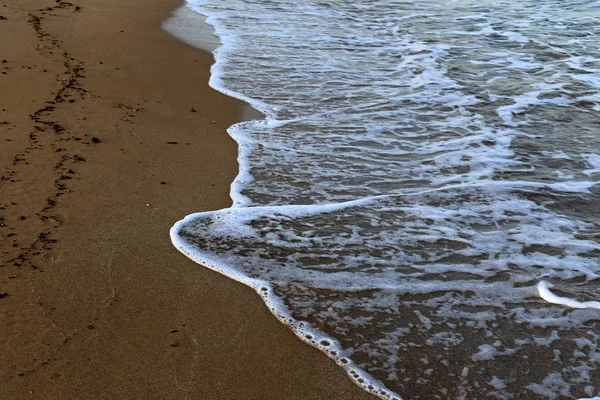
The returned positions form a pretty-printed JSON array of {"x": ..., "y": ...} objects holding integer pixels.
[{"x": 421, "y": 201}]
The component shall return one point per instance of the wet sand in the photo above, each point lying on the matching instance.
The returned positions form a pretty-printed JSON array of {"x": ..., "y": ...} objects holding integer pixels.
[{"x": 109, "y": 134}]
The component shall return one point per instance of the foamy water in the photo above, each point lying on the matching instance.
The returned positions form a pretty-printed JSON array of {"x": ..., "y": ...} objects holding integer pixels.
[{"x": 422, "y": 200}]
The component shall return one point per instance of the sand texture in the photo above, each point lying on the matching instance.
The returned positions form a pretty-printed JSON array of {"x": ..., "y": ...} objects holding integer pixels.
[{"x": 109, "y": 134}]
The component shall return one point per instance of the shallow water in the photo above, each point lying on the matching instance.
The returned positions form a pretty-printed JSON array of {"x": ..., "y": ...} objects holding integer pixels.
[{"x": 423, "y": 166}]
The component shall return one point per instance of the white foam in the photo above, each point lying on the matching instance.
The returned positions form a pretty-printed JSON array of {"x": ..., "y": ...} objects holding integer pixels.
[
  {"x": 594, "y": 161},
  {"x": 546, "y": 294},
  {"x": 303, "y": 330},
  {"x": 498, "y": 384},
  {"x": 420, "y": 183}
]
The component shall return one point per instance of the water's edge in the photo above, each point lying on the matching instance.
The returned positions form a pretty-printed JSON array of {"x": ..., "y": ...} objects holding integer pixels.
[
  {"x": 242, "y": 206},
  {"x": 193, "y": 28},
  {"x": 301, "y": 329}
]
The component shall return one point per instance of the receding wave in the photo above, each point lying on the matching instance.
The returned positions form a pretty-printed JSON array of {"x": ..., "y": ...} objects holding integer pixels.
[{"x": 421, "y": 201}]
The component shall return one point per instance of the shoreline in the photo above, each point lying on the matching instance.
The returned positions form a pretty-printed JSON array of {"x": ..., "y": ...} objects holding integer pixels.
[
  {"x": 112, "y": 135},
  {"x": 191, "y": 28}
]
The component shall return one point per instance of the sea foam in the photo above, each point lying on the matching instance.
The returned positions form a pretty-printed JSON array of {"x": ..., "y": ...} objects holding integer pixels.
[{"x": 423, "y": 174}]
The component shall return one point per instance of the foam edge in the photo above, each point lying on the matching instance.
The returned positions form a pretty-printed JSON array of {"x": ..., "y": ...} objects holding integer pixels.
[
  {"x": 303, "y": 330},
  {"x": 546, "y": 294}
]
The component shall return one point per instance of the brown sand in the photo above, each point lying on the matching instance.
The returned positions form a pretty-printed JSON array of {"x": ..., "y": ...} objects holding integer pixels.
[{"x": 95, "y": 303}]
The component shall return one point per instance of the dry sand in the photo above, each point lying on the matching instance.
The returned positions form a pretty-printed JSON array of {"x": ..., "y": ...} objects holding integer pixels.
[{"x": 100, "y": 153}]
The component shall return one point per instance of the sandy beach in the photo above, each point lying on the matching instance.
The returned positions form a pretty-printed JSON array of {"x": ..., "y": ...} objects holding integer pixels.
[{"x": 109, "y": 134}]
